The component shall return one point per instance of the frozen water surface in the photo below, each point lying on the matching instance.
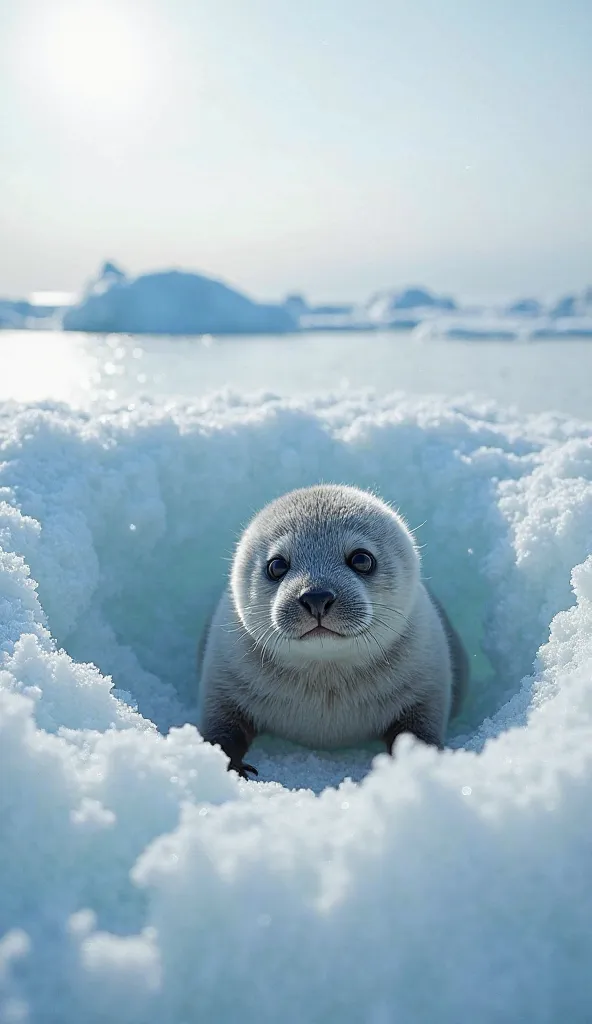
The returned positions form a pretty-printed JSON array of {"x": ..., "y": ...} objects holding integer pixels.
[
  {"x": 141, "y": 881},
  {"x": 79, "y": 368}
]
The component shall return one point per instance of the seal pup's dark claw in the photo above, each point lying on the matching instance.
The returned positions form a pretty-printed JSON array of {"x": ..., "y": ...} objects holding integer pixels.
[{"x": 242, "y": 769}]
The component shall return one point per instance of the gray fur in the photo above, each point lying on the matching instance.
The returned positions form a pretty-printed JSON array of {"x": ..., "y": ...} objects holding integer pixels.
[
  {"x": 458, "y": 656},
  {"x": 397, "y": 666}
]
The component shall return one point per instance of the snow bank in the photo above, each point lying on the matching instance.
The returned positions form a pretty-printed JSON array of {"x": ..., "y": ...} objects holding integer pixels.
[
  {"x": 142, "y": 882},
  {"x": 170, "y": 302}
]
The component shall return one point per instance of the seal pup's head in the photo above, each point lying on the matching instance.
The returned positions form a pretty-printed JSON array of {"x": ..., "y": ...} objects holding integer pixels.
[{"x": 325, "y": 574}]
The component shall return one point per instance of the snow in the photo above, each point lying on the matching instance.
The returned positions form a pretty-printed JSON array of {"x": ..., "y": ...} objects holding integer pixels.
[
  {"x": 169, "y": 302},
  {"x": 141, "y": 881}
]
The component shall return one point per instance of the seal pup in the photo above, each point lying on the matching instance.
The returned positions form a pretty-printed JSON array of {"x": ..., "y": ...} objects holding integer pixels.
[{"x": 325, "y": 634}]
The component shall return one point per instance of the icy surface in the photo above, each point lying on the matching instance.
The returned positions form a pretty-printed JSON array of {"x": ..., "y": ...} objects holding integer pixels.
[
  {"x": 113, "y": 370},
  {"x": 492, "y": 326},
  {"x": 141, "y": 881}
]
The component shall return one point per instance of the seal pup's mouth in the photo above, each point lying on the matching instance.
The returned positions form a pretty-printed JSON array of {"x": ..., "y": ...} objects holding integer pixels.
[{"x": 320, "y": 631}]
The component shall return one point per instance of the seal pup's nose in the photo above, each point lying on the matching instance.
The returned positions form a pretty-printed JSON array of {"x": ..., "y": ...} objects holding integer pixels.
[{"x": 317, "y": 602}]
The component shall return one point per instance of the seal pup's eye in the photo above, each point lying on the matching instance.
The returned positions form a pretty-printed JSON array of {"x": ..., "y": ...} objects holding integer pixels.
[
  {"x": 362, "y": 561},
  {"x": 276, "y": 568}
]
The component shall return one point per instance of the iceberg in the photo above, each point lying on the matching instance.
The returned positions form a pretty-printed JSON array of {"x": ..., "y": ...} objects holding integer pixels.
[
  {"x": 19, "y": 314},
  {"x": 574, "y": 305},
  {"x": 12, "y": 314},
  {"x": 170, "y": 302},
  {"x": 390, "y": 309},
  {"x": 525, "y": 307},
  {"x": 390, "y": 306},
  {"x": 144, "y": 883}
]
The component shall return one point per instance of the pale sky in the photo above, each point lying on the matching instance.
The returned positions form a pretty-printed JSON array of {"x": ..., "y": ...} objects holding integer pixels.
[{"x": 333, "y": 147}]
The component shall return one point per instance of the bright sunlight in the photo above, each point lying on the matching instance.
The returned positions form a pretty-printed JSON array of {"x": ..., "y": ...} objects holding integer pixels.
[{"x": 93, "y": 53}]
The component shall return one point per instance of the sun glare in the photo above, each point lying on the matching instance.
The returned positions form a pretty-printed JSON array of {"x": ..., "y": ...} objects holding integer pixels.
[{"x": 93, "y": 53}]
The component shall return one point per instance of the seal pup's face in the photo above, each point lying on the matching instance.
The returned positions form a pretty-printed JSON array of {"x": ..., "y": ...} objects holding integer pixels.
[{"x": 325, "y": 573}]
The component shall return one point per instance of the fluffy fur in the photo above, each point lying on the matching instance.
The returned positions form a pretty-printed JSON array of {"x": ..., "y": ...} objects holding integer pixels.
[{"x": 393, "y": 663}]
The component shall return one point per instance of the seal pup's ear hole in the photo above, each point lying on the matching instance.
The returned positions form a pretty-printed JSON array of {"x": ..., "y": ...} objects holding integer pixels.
[
  {"x": 276, "y": 568},
  {"x": 361, "y": 561}
]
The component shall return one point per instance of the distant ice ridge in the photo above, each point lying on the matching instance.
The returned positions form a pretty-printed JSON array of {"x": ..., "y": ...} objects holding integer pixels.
[
  {"x": 143, "y": 883},
  {"x": 524, "y": 320},
  {"x": 435, "y": 316},
  {"x": 175, "y": 302},
  {"x": 392, "y": 308}
]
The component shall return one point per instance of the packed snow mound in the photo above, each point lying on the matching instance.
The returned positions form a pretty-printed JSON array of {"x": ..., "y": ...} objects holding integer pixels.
[
  {"x": 141, "y": 881},
  {"x": 170, "y": 302}
]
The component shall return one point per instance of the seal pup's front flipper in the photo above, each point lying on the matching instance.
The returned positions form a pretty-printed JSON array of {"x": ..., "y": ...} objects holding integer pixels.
[
  {"x": 414, "y": 720},
  {"x": 234, "y": 732}
]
